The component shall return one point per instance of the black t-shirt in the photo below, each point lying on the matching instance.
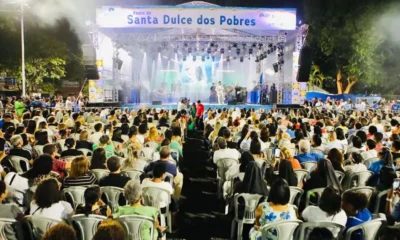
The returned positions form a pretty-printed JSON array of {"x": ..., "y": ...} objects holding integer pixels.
[
  {"x": 395, "y": 155},
  {"x": 232, "y": 145},
  {"x": 114, "y": 180},
  {"x": 84, "y": 144},
  {"x": 71, "y": 152},
  {"x": 21, "y": 153}
]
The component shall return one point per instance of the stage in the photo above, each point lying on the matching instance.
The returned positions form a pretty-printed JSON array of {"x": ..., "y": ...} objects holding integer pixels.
[{"x": 171, "y": 106}]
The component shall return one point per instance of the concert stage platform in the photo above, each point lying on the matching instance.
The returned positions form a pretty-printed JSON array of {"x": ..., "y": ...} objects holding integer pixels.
[{"x": 171, "y": 106}]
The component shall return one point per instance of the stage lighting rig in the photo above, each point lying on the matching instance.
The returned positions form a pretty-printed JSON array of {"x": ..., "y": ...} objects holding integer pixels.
[
  {"x": 211, "y": 44},
  {"x": 222, "y": 50},
  {"x": 203, "y": 58},
  {"x": 190, "y": 50},
  {"x": 257, "y": 59},
  {"x": 185, "y": 44},
  {"x": 254, "y": 45},
  {"x": 235, "y": 45},
  {"x": 241, "y": 59},
  {"x": 209, "y": 50},
  {"x": 238, "y": 51},
  {"x": 229, "y": 48}
]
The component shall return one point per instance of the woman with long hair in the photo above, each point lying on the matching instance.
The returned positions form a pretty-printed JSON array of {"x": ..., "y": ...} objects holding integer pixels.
[
  {"x": 41, "y": 168},
  {"x": 93, "y": 203},
  {"x": 79, "y": 173},
  {"x": 153, "y": 136},
  {"x": 98, "y": 159},
  {"x": 83, "y": 141},
  {"x": 132, "y": 161},
  {"x": 337, "y": 159},
  {"x": 70, "y": 145}
]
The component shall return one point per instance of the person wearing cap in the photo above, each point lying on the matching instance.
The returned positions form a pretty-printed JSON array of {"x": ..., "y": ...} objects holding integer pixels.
[{"x": 224, "y": 151}]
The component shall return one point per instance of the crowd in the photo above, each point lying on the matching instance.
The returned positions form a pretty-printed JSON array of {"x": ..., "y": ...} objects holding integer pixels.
[{"x": 121, "y": 163}]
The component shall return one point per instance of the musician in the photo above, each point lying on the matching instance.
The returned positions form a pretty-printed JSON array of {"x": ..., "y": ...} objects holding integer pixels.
[
  {"x": 264, "y": 95},
  {"x": 238, "y": 92},
  {"x": 220, "y": 93},
  {"x": 213, "y": 93}
]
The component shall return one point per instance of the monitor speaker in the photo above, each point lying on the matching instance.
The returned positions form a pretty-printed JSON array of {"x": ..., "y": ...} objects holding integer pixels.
[
  {"x": 233, "y": 102},
  {"x": 305, "y": 62},
  {"x": 91, "y": 72},
  {"x": 156, "y": 103}
]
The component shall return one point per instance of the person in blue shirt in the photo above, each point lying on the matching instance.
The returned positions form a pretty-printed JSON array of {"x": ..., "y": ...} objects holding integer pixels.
[
  {"x": 386, "y": 159},
  {"x": 305, "y": 154},
  {"x": 355, "y": 206}
]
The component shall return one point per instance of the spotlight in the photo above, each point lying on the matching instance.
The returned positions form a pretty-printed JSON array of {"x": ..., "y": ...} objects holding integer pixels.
[
  {"x": 190, "y": 50},
  {"x": 270, "y": 45},
  {"x": 276, "y": 67},
  {"x": 185, "y": 44},
  {"x": 241, "y": 59},
  {"x": 229, "y": 49},
  {"x": 212, "y": 44},
  {"x": 235, "y": 45},
  {"x": 222, "y": 50},
  {"x": 244, "y": 45},
  {"x": 228, "y": 59},
  {"x": 281, "y": 62},
  {"x": 260, "y": 45},
  {"x": 203, "y": 58},
  {"x": 209, "y": 50},
  {"x": 250, "y": 51},
  {"x": 194, "y": 58},
  {"x": 184, "y": 58},
  {"x": 254, "y": 45},
  {"x": 257, "y": 59}
]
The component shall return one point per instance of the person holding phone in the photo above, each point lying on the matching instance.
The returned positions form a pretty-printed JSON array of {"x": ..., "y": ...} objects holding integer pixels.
[{"x": 393, "y": 209}]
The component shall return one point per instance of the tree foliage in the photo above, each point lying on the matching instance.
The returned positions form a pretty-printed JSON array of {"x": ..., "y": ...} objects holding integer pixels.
[{"x": 346, "y": 40}]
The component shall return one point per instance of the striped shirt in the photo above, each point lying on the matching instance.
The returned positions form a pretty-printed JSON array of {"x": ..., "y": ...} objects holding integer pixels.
[{"x": 87, "y": 179}]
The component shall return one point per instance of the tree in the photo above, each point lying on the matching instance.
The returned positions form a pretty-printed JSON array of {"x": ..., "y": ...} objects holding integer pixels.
[{"x": 343, "y": 33}]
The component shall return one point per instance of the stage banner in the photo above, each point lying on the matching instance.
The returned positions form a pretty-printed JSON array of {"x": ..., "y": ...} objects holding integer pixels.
[
  {"x": 196, "y": 17},
  {"x": 96, "y": 91}
]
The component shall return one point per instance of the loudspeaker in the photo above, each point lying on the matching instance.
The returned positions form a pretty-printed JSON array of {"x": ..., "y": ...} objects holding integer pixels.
[
  {"x": 305, "y": 62},
  {"x": 156, "y": 103},
  {"x": 91, "y": 72},
  {"x": 233, "y": 102},
  {"x": 276, "y": 67}
]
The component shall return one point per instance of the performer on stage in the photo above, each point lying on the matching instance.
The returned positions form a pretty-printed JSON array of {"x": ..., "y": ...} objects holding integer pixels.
[
  {"x": 213, "y": 93},
  {"x": 220, "y": 93},
  {"x": 238, "y": 93},
  {"x": 264, "y": 95}
]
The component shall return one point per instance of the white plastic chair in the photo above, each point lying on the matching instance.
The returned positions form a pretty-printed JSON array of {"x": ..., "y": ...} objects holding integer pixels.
[
  {"x": 153, "y": 196},
  {"x": 301, "y": 175},
  {"x": 251, "y": 203},
  {"x": 40, "y": 225},
  {"x": 153, "y": 145},
  {"x": 369, "y": 229},
  {"x": 339, "y": 175},
  {"x": 306, "y": 227},
  {"x": 38, "y": 149},
  {"x": 315, "y": 150},
  {"x": 99, "y": 173},
  {"x": 294, "y": 192},
  {"x": 223, "y": 165},
  {"x": 132, "y": 174},
  {"x": 76, "y": 194},
  {"x": 133, "y": 225},
  {"x": 3, "y": 223},
  {"x": 284, "y": 229},
  {"x": 68, "y": 158},
  {"x": 87, "y": 225},
  {"x": 16, "y": 163},
  {"x": 86, "y": 151},
  {"x": 368, "y": 191},
  {"x": 368, "y": 161},
  {"x": 360, "y": 179},
  {"x": 309, "y": 166},
  {"x": 146, "y": 153},
  {"x": 112, "y": 195},
  {"x": 317, "y": 191},
  {"x": 381, "y": 196}
]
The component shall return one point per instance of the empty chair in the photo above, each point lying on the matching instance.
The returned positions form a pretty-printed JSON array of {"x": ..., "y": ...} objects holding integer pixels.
[
  {"x": 368, "y": 191},
  {"x": 302, "y": 175},
  {"x": 87, "y": 225},
  {"x": 284, "y": 229},
  {"x": 339, "y": 175},
  {"x": 156, "y": 197},
  {"x": 5, "y": 223},
  {"x": 309, "y": 166},
  {"x": 223, "y": 165},
  {"x": 312, "y": 192},
  {"x": 250, "y": 205},
  {"x": 16, "y": 164},
  {"x": 357, "y": 179},
  {"x": 307, "y": 227},
  {"x": 134, "y": 226},
  {"x": 99, "y": 173},
  {"x": 86, "y": 151},
  {"x": 132, "y": 173},
  {"x": 75, "y": 195},
  {"x": 369, "y": 229},
  {"x": 295, "y": 192},
  {"x": 112, "y": 195},
  {"x": 40, "y": 225}
]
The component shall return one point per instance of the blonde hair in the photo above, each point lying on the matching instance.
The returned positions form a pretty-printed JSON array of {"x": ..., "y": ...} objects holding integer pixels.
[
  {"x": 153, "y": 133},
  {"x": 84, "y": 135},
  {"x": 218, "y": 126},
  {"x": 79, "y": 167},
  {"x": 133, "y": 156},
  {"x": 286, "y": 153}
]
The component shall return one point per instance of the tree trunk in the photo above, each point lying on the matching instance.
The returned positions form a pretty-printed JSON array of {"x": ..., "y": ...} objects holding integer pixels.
[
  {"x": 339, "y": 82},
  {"x": 351, "y": 82}
]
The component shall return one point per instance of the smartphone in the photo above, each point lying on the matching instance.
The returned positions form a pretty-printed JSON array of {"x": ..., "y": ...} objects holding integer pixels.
[
  {"x": 277, "y": 153},
  {"x": 108, "y": 132},
  {"x": 396, "y": 184}
]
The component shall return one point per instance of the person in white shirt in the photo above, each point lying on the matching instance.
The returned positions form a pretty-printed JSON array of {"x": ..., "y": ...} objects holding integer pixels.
[
  {"x": 334, "y": 143},
  {"x": 371, "y": 153},
  {"x": 357, "y": 164},
  {"x": 157, "y": 181},
  {"x": 329, "y": 210},
  {"x": 69, "y": 104},
  {"x": 47, "y": 201},
  {"x": 225, "y": 152},
  {"x": 95, "y": 137},
  {"x": 181, "y": 105},
  {"x": 220, "y": 93}
]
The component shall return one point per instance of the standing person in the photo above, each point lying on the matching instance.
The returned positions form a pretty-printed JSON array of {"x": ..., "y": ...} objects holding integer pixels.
[
  {"x": 220, "y": 93},
  {"x": 19, "y": 108},
  {"x": 199, "y": 112}
]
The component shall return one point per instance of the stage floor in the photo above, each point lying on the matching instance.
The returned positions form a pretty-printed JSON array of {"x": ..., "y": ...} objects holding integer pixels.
[{"x": 171, "y": 106}]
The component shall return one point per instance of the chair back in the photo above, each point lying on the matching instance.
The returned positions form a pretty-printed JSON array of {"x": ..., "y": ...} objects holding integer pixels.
[
  {"x": 369, "y": 229},
  {"x": 339, "y": 175},
  {"x": 68, "y": 158},
  {"x": 284, "y": 229},
  {"x": 169, "y": 178},
  {"x": 17, "y": 196},
  {"x": 250, "y": 205},
  {"x": 3, "y": 223},
  {"x": 307, "y": 227},
  {"x": 76, "y": 194},
  {"x": 112, "y": 195},
  {"x": 174, "y": 154},
  {"x": 294, "y": 192},
  {"x": 146, "y": 153},
  {"x": 368, "y": 161},
  {"x": 368, "y": 191},
  {"x": 134, "y": 224},
  {"x": 301, "y": 175},
  {"x": 38, "y": 149},
  {"x": 314, "y": 192},
  {"x": 40, "y": 225},
  {"x": 153, "y": 145},
  {"x": 381, "y": 196},
  {"x": 86, "y": 151},
  {"x": 153, "y": 196},
  {"x": 223, "y": 165},
  {"x": 309, "y": 166},
  {"x": 16, "y": 163},
  {"x": 294, "y": 151},
  {"x": 99, "y": 173},
  {"x": 316, "y": 150},
  {"x": 87, "y": 225},
  {"x": 360, "y": 179},
  {"x": 132, "y": 174}
]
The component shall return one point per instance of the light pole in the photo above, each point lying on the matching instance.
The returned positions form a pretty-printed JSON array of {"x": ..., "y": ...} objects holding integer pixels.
[{"x": 23, "y": 49}]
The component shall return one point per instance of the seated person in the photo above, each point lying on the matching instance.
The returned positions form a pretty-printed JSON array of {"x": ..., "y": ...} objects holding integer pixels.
[
  {"x": 9, "y": 211},
  {"x": 83, "y": 141},
  {"x": 356, "y": 163},
  {"x": 110, "y": 229},
  {"x": 59, "y": 166},
  {"x": 133, "y": 194},
  {"x": 355, "y": 206},
  {"x": 371, "y": 152},
  {"x": 79, "y": 173},
  {"x": 305, "y": 154},
  {"x": 93, "y": 203},
  {"x": 71, "y": 151},
  {"x": 115, "y": 178},
  {"x": 224, "y": 151}
]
